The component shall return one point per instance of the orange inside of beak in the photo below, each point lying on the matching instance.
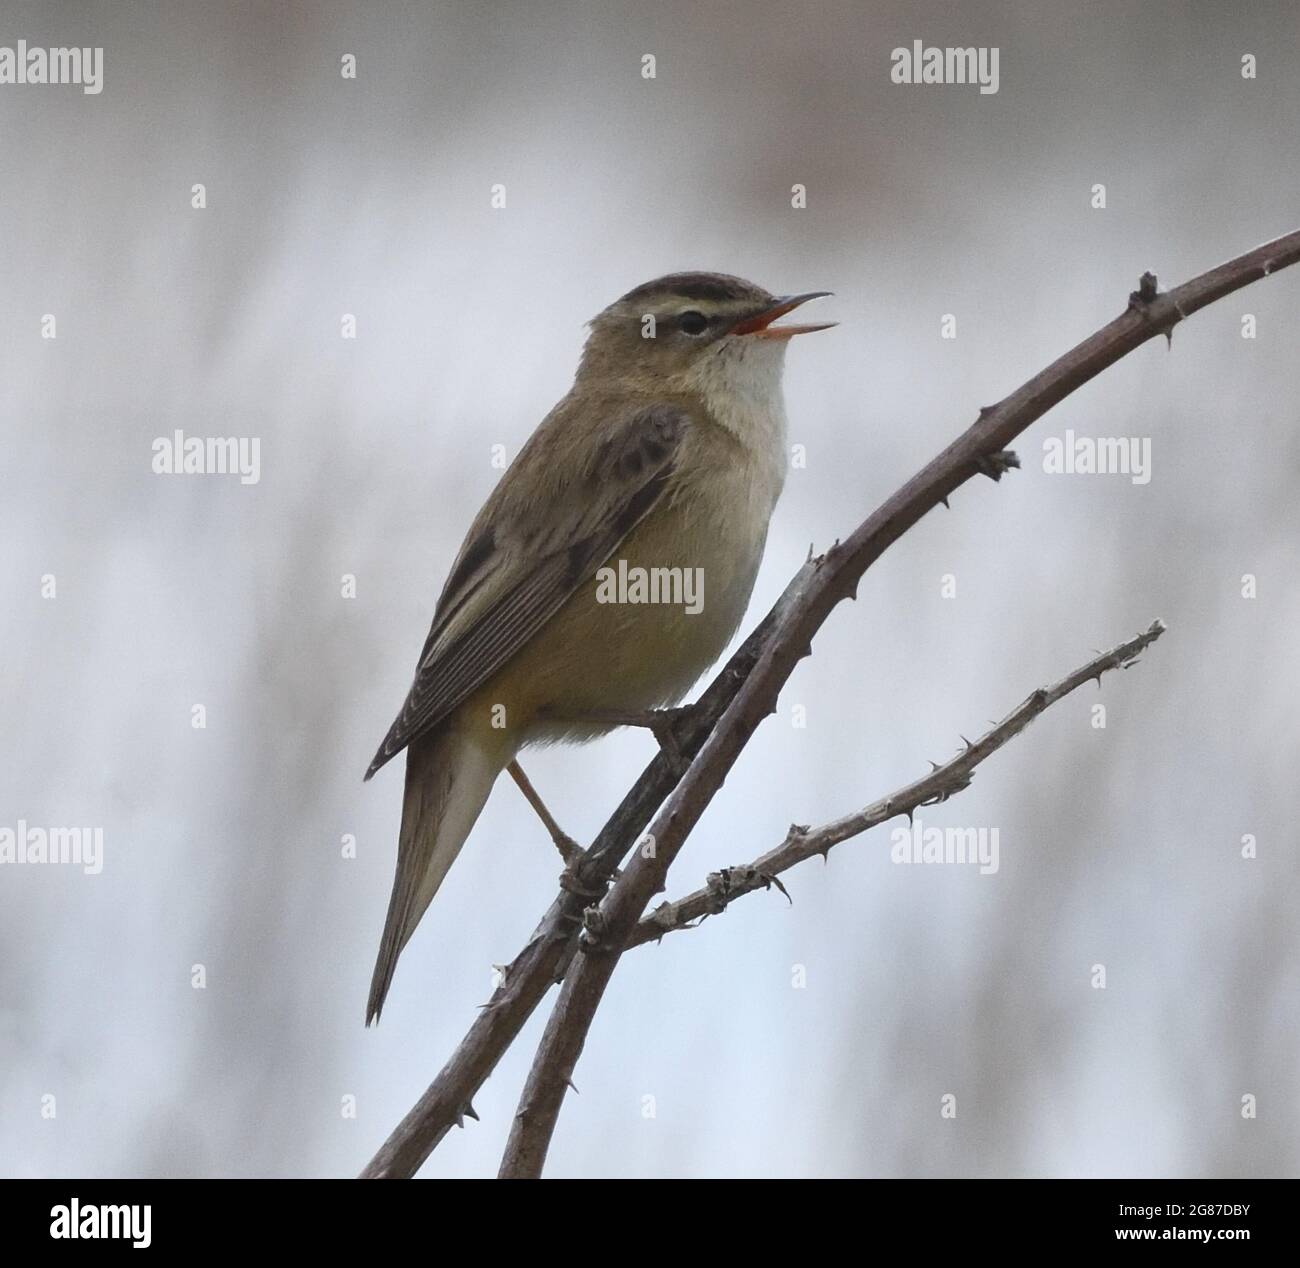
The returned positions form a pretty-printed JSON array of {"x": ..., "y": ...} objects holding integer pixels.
[{"x": 761, "y": 326}]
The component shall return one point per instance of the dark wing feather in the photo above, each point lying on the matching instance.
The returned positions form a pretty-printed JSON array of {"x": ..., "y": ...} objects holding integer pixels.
[{"x": 625, "y": 478}]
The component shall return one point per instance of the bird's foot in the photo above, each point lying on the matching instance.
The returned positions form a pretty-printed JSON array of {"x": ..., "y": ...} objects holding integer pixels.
[{"x": 573, "y": 881}]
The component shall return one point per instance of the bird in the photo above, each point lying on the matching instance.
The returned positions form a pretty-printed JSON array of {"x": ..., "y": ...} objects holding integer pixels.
[{"x": 663, "y": 462}]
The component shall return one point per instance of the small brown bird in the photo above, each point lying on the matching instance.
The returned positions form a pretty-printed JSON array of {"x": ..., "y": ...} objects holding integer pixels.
[{"x": 607, "y": 570}]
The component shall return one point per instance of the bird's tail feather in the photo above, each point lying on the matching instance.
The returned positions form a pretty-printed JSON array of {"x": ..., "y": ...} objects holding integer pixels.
[{"x": 448, "y": 778}]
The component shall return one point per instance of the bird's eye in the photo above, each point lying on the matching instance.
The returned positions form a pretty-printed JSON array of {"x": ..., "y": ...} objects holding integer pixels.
[{"x": 693, "y": 323}]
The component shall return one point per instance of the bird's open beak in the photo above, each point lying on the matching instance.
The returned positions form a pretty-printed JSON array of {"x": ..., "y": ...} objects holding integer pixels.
[{"x": 760, "y": 325}]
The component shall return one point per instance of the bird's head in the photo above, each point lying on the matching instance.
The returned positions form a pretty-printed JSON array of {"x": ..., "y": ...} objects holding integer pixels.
[{"x": 694, "y": 333}]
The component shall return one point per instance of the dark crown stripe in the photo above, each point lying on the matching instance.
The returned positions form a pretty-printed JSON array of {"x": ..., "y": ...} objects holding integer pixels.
[{"x": 702, "y": 287}]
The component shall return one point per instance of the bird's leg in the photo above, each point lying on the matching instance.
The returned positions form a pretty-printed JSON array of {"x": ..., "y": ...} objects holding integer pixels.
[
  {"x": 569, "y": 849},
  {"x": 660, "y": 722}
]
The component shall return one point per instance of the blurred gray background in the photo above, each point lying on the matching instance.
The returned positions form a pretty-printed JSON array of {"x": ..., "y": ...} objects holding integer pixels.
[{"x": 223, "y": 847}]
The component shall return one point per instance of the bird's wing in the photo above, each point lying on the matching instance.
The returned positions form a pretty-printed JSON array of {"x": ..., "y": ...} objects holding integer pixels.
[{"x": 542, "y": 533}]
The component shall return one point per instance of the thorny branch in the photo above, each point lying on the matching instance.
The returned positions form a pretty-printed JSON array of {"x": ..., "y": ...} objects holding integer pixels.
[
  {"x": 717, "y": 728},
  {"x": 836, "y": 577},
  {"x": 801, "y": 843},
  {"x": 447, "y": 1101},
  {"x": 552, "y": 1070}
]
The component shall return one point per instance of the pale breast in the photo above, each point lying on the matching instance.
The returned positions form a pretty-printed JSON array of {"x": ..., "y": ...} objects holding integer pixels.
[{"x": 661, "y": 611}]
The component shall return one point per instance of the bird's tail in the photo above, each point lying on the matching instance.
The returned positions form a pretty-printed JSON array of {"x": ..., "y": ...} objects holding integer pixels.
[{"x": 448, "y": 777}]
